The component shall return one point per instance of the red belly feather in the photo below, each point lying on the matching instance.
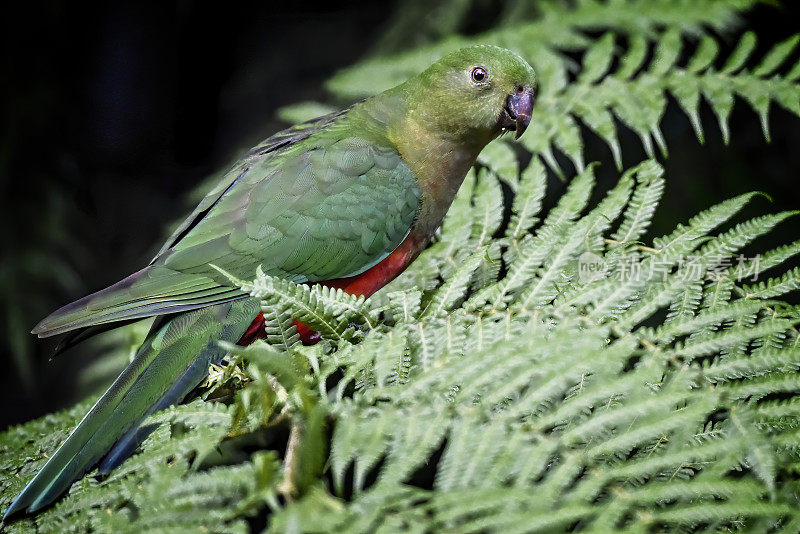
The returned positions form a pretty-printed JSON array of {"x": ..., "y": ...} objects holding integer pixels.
[{"x": 364, "y": 284}]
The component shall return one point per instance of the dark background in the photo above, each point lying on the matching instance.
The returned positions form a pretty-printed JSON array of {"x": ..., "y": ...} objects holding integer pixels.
[{"x": 112, "y": 115}]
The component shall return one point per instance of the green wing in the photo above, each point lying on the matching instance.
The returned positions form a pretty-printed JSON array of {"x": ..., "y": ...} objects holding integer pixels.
[
  {"x": 270, "y": 147},
  {"x": 325, "y": 212},
  {"x": 328, "y": 206}
]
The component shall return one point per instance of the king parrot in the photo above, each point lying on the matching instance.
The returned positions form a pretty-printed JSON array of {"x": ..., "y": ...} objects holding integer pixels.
[{"x": 347, "y": 200}]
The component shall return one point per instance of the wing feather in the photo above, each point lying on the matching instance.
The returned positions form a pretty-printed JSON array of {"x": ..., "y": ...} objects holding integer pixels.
[{"x": 308, "y": 206}]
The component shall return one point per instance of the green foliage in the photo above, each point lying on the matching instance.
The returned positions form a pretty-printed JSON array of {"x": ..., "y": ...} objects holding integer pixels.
[
  {"x": 533, "y": 370},
  {"x": 541, "y": 399},
  {"x": 180, "y": 469}
]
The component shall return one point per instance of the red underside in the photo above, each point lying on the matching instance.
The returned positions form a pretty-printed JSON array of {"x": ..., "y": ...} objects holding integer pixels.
[{"x": 364, "y": 284}]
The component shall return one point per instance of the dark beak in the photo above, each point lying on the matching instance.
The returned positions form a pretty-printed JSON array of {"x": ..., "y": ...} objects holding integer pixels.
[{"x": 516, "y": 114}]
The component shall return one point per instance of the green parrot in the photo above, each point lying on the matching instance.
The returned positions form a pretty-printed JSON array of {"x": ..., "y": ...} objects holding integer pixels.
[{"x": 347, "y": 200}]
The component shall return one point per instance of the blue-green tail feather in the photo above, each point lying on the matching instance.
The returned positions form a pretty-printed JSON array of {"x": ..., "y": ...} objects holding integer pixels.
[
  {"x": 190, "y": 379},
  {"x": 170, "y": 363}
]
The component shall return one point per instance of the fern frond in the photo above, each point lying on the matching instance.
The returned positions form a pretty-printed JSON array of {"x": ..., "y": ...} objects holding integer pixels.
[
  {"x": 405, "y": 305},
  {"x": 527, "y": 201},
  {"x": 643, "y": 203},
  {"x": 279, "y": 326},
  {"x": 715, "y": 316},
  {"x": 775, "y": 287},
  {"x": 488, "y": 210},
  {"x": 686, "y": 238},
  {"x": 314, "y": 306},
  {"x": 453, "y": 289}
]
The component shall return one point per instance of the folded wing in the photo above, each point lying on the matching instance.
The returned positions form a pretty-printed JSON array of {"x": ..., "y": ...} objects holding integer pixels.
[{"x": 326, "y": 208}]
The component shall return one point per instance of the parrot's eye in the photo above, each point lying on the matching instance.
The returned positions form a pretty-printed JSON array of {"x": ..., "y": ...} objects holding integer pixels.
[{"x": 478, "y": 75}]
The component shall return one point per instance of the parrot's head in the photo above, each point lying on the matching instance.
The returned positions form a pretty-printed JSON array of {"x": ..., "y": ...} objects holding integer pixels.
[{"x": 478, "y": 92}]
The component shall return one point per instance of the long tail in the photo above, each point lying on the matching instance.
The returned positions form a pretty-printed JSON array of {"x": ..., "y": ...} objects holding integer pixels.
[{"x": 171, "y": 362}]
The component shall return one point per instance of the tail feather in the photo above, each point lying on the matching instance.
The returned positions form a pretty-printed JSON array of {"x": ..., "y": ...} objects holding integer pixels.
[
  {"x": 74, "y": 337},
  {"x": 155, "y": 290},
  {"x": 171, "y": 362},
  {"x": 191, "y": 378}
]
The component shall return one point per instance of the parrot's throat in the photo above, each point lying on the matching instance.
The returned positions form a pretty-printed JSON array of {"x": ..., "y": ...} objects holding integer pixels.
[{"x": 439, "y": 163}]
